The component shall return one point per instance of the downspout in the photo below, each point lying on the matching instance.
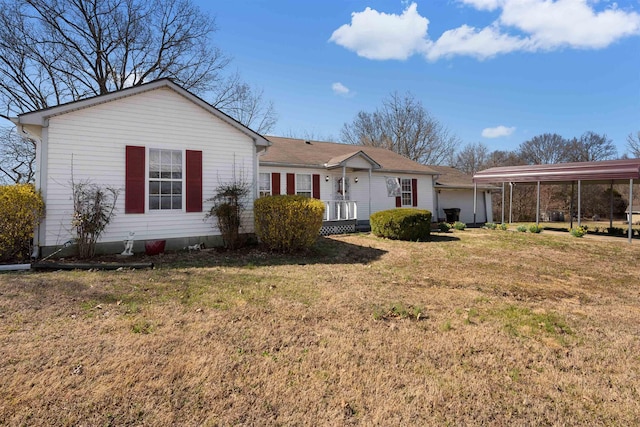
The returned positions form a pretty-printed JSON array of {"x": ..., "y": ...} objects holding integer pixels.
[
  {"x": 475, "y": 201},
  {"x": 486, "y": 205}
]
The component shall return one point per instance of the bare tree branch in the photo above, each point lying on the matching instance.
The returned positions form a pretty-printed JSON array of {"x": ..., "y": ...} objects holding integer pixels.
[{"x": 404, "y": 126}]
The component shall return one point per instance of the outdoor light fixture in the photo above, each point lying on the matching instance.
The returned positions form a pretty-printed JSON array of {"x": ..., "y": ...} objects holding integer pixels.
[
  {"x": 326, "y": 178},
  {"x": 356, "y": 179}
]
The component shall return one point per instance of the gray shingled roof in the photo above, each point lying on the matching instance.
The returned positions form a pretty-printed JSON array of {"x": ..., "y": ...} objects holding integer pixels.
[{"x": 298, "y": 152}]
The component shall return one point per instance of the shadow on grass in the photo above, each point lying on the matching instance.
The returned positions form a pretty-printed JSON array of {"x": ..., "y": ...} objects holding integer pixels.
[
  {"x": 443, "y": 238},
  {"x": 325, "y": 251}
]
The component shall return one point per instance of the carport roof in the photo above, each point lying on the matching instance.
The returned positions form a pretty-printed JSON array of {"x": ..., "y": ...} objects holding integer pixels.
[{"x": 618, "y": 171}]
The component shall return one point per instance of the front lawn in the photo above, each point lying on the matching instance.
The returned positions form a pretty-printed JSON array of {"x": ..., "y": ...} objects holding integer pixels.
[{"x": 476, "y": 327}]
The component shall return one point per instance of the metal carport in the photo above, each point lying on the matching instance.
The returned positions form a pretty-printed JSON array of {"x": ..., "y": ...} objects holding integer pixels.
[{"x": 604, "y": 172}]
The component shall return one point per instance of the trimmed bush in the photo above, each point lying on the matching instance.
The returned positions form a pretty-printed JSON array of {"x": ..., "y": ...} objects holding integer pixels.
[
  {"x": 288, "y": 223},
  {"x": 503, "y": 226},
  {"x": 402, "y": 224},
  {"x": 490, "y": 226},
  {"x": 578, "y": 231},
  {"x": 444, "y": 227},
  {"x": 459, "y": 225},
  {"x": 533, "y": 228},
  {"x": 522, "y": 228},
  {"x": 21, "y": 209}
]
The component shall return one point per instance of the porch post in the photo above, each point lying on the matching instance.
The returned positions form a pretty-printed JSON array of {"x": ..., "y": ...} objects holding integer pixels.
[
  {"x": 538, "y": 206},
  {"x": 630, "y": 209},
  {"x": 579, "y": 204},
  {"x": 502, "y": 203},
  {"x": 475, "y": 201}
]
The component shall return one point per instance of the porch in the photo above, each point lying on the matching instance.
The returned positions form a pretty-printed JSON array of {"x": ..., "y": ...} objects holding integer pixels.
[{"x": 340, "y": 216}]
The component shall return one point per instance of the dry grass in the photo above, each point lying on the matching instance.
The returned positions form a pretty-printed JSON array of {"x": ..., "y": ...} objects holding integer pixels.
[{"x": 476, "y": 327}]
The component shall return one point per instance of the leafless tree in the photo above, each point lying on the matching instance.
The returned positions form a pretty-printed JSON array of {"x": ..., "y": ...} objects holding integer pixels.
[
  {"x": 548, "y": 148},
  {"x": 591, "y": 147},
  {"x": 56, "y": 51},
  {"x": 404, "y": 126},
  {"x": 17, "y": 157},
  {"x": 472, "y": 158},
  {"x": 245, "y": 104},
  {"x": 633, "y": 142}
]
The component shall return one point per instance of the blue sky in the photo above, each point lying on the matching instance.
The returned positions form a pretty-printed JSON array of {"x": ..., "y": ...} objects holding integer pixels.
[{"x": 492, "y": 71}]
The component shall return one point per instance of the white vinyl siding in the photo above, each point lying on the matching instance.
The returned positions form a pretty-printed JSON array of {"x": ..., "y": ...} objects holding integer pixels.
[{"x": 92, "y": 142}]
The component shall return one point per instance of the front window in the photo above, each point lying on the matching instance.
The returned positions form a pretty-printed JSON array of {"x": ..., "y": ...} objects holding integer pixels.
[
  {"x": 407, "y": 196},
  {"x": 165, "y": 179},
  {"x": 265, "y": 184},
  {"x": 303, "y": 184}
]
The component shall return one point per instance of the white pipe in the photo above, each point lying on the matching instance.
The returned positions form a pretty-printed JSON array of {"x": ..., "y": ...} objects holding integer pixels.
[{"x": 15, "y": 267}]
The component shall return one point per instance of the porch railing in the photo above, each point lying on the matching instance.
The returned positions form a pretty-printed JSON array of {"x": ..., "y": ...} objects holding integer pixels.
[{"x": 338, "y": 210}]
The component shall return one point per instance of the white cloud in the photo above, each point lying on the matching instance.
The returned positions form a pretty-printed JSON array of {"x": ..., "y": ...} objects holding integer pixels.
[
  {"x": 377, "y": 35},
  {"x": 573, "y": 23},
  {"x": 497, "y": 132},
  {"x": 340, "y": 89},
  {"x": 482, "y": 4},
  {"x": 522, "y": 25}
]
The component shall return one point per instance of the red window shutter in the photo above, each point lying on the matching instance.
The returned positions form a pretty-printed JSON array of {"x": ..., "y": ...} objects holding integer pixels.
[
  {"x": 291, "y": 183},
  {"x": 398, "y": 202},
  {"x": 134, "y": 180},
  {"x": 414, "y": 191},
  {"x": 193, "y": 181},
  {"x": 275, "y": 183},
  {"x": 316, "y": 186}
]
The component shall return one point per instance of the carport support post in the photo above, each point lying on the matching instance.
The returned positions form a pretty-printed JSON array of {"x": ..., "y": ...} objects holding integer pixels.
[
  {"x": 611, "y": 205},
  {"x": 579, "y": 206},
  {"x": 538, "y": 206},
  {"x": 630, "y": 209},
  {"x": 503, "y": 203},
  {"x": 510, "y": 202}
]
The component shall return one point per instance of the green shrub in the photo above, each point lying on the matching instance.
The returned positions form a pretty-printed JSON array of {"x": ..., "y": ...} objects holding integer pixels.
[
  {"x": 578, "y": 231},
  {"x": 21, "y": 209},
  {"x": 288, "y": 223},
  {"x": 533, "y": 228},
  {"x": 402, "y": 224},
  {"x": 504, "y": 227},
  {"x": 444, "y": 227},
  {"x": 522, "y": 228},
  {"x": 459, "y": 225},
  {"x": 490, "y": 226}
]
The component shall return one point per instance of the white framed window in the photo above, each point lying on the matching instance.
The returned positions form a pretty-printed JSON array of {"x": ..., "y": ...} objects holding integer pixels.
[
  {"x": 264, "y": 184},
  {"x": 407, "y": 193},
  {"x": 303, "y": 184},
  {"x": 165, "y": 179}
]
